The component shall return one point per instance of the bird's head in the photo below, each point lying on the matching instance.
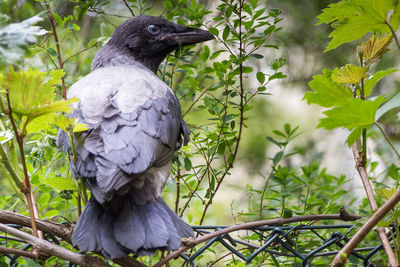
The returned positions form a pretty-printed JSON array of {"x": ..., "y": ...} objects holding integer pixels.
[{"x": 150, "y": 39}]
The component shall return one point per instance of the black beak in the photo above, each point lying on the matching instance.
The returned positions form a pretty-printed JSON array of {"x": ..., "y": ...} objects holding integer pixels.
[{"x": 192, "y": 36}]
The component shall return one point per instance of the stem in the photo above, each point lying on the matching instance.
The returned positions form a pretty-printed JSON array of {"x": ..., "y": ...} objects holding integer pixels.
[
  {"x": 241, "y": 119},
  {"x": 178, "y": 190},
  {"x": 7, "y": 165},
  {"x": 54, "y": 33},
  {"x": 393, "y": 33},
  {"x": 387, "y": 139},
  {"x": 27, "y": 190},
  {"x": 373, "y": 204},
  {"x": 341, "y": 257},
  {"x": 130, "y": 9}
]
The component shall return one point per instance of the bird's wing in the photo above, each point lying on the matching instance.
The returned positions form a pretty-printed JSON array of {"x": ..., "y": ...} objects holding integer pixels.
[{"x": 135, "y": 123}]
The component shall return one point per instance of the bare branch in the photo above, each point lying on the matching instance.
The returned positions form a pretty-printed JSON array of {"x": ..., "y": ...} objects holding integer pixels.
[
  {"x": 360, "y": 164},
  {"x": 63, "y": 253},
  {"x": 341, "y": 257},
  {"x": 60, "y": 230},
  {"x": 18, "y": 252}
]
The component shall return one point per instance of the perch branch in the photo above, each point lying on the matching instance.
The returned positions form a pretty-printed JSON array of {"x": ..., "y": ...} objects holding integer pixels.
[
  {"x": 63, "y": 253},
  {"x": 60, "y": 230}
]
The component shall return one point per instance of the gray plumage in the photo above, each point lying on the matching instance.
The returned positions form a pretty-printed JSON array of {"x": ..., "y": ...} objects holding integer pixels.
[{"x": 135, "y": 126}]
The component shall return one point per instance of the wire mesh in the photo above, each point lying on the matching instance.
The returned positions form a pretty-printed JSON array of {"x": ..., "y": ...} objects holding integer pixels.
[{"x": 247, "y": 244}]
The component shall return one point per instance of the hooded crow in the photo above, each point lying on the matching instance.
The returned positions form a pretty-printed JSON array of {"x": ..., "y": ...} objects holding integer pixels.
[{"x": 135, "y": 126}]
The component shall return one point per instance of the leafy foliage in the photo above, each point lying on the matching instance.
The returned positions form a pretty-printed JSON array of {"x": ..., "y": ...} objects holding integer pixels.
[
  {"x": 13, "y": 38},
  {"x": 354, "y": 18},
  {"x": 31, "y": 96}
]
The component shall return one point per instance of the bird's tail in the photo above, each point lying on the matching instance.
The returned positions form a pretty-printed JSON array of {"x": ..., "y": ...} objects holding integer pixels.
[{"x": 135, "y": 227}]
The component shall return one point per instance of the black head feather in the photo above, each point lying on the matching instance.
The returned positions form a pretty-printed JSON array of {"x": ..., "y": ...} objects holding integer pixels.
[{"x": 147, "y": 40}]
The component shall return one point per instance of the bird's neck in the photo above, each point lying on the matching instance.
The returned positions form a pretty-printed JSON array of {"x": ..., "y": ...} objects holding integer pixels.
[{"x": 111, "y": 55}]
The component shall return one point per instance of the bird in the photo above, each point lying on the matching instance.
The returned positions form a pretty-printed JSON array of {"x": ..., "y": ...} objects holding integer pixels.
[{"x": 134, "y": 126}]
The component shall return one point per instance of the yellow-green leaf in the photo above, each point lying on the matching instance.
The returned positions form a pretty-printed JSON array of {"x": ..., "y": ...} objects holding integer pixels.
[
  {"x": 374, "y": 48},
  {"x": 66, "y": 124},
  {"x": 386, "y": 193},
  {"x": 349, "y": 74}
]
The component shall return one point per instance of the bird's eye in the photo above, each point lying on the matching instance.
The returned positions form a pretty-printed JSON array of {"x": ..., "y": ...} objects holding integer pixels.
[{"x": 153, "y": 29}]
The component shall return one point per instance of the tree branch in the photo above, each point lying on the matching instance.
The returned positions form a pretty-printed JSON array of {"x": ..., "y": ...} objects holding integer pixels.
[
  {"x": 274, "y": 222},
  {"x": 64, "y": 231},
  {"x": 373, "y": 204},
  {"x": 18, "y": 252},
  {"x": 341, "y": 257},
  {"x": 60, "y": 230},
  {"x": 63, "y": 253}
]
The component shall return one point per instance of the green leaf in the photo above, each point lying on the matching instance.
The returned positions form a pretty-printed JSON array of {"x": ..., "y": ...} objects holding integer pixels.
[
  {"x": 168, "y": 5},
  {"x": 393, "y": 103},
  {"x": 326, "y": 93},
  {"x": 349, "y": 74},
  {"x": 256, "y": 55},
  {"x": 246, "y": 69},
  {"x": 356, "y": 113},
  {"x": 278, "y": 63},
  {"x": 225, "y": 33},
  {"x": 188, "y": 164},
  {"x": 394, "y": 172},
  {"x": 352, "y": 19},
  {"x": 213, "y": 31},
  {"x": 278, "y": 75},
  {"x": 58, "y": 19},
  {"x": 59, "y": 183},
  {"x": 370, "y": 83},
  {"x": 260, "y": 77},
  {"x": 354, "y": 136}
]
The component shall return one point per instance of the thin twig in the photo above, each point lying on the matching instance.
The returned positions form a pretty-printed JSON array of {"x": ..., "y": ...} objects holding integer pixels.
[
  {"x": 18, "y": 252},
  {"x": 393, "y": 33},
  {"x": 251, "y": 225},
  {"x": 241, "y": 119},
  {"x": 128, "y": 6},
  {"x": 54, "y": 33},
  {"x": 373, "y": 204},
  {"x": 341, "y": 257},
  {"x": 387, "y": 139},
  {"x": 87, "y": 48},
  {"x": 27, "y": 190}
]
